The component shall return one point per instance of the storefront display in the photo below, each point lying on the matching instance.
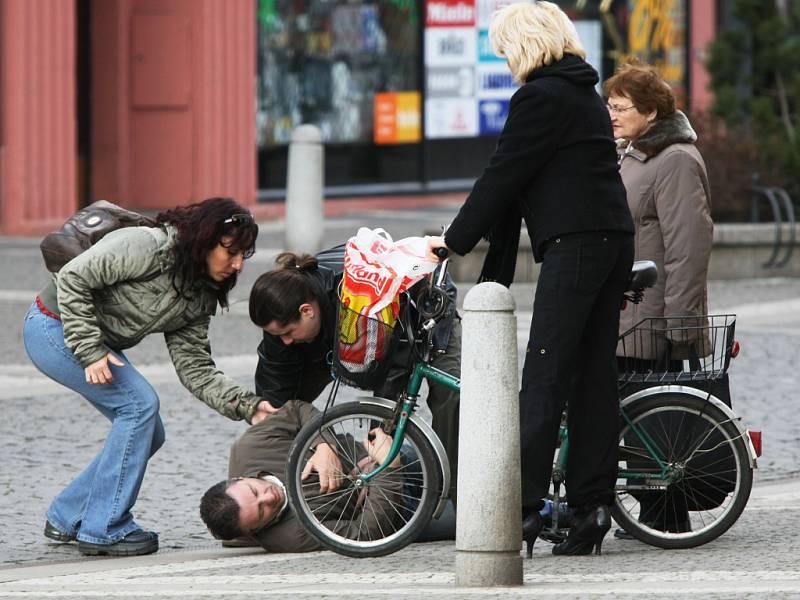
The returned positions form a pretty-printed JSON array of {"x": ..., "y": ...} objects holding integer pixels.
[{"x": 408, "y": 93}]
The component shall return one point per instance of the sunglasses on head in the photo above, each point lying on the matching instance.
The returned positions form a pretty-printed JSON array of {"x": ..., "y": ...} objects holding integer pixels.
[{"x": 239, "y": 219}]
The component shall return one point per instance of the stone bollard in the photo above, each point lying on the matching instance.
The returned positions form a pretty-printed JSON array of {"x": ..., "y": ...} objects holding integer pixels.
[
  {"x": 489, "y": 518},
  {"x": 304, "y": 189}
]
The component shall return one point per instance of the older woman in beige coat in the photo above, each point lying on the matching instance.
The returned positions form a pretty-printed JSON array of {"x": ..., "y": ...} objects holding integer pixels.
[{"x": 667, "y": 186}]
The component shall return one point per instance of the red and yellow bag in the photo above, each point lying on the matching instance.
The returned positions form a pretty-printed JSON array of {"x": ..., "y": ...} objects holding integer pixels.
[{"x": 376, "y": 271}]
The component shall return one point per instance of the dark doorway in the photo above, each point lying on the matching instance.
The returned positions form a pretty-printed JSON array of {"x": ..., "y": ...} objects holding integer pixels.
[{"x": 83, "y": 81}]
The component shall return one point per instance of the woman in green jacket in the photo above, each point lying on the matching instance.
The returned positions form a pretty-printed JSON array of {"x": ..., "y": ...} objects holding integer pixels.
[{"x": 134, "y": 282}]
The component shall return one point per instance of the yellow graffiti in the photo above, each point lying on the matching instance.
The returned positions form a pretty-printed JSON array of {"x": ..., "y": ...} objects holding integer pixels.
[
  {"x": 655, "y": 36},
  {"x": 651, "y": 30}
]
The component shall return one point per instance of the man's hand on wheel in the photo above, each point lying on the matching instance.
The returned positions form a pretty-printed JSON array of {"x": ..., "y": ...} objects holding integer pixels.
[
  {"x": 378, "y": 445},
  {"x": 327, "y": 464}
]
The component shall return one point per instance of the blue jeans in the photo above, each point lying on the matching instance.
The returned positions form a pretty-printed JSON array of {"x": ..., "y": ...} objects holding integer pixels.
[{"x": 96, "y": 505}]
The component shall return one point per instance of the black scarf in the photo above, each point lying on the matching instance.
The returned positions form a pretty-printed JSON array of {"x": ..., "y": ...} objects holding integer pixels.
[{"x": 503, "y": 238}]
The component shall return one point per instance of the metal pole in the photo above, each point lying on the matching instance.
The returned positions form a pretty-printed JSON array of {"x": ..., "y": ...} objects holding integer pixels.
[
  {"x": 489, "y": 517},
  {"x": 304, "y": 185}
]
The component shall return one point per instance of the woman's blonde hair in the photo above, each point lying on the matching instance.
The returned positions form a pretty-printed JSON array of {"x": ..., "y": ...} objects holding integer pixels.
[{"x": 532, "y": 35}]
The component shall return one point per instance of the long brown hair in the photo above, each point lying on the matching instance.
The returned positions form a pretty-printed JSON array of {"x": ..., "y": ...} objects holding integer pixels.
[{"x": 201, "y": 227}]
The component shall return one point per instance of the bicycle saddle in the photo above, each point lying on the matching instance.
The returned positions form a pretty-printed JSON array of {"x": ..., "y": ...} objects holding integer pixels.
[{"x": 644, "y": 274}]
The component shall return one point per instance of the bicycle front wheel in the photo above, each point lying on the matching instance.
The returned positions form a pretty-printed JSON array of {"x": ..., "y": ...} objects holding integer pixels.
[
  {"x": 710, "y": 476},
  {"x": 368, "y": 519}
]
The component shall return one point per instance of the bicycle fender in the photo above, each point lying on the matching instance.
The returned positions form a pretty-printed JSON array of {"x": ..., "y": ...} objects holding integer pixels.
[
  {"x": 691, "y": 391},
  {"x": 428, "y": 432}
]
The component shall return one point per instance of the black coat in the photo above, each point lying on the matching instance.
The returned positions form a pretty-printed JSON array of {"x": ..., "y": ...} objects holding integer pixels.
[
  {"x": 555, "y": 165},
  {"x": 301, "y": 371}
]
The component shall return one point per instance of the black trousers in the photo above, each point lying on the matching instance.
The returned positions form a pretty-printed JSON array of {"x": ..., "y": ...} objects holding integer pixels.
[{"x": 571, "y": 360}]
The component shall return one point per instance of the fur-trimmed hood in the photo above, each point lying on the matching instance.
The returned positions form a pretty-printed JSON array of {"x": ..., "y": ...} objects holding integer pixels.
[{"x": 672, "y": 129}]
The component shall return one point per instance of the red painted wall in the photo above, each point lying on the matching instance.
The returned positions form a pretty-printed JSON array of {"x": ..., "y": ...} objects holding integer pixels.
[
  {"x": 37, "y": 115},
  {"x": 703, "y": 21},
  {"x": 173, "y": 118}
]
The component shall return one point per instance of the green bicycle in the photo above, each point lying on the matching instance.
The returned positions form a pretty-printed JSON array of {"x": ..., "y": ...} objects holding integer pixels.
[{"x": 412, "y": 481}]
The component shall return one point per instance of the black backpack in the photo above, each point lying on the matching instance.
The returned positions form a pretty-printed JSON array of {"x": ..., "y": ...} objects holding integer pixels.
[{"x": 84, "y": 229}]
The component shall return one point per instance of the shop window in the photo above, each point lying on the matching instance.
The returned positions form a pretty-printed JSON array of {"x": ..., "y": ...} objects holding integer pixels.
[
  {"x": 395, "y": 119},
  {"x": 331, "y": 63}
]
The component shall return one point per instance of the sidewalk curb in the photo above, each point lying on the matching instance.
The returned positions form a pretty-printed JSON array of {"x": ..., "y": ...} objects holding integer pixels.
[{"x": 95, "y": 565}]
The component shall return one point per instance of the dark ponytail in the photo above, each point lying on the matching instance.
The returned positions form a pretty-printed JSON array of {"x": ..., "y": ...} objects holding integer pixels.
[{"x": 278, "y": 294}]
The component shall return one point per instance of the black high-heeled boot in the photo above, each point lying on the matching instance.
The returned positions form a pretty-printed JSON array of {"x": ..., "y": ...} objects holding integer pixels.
[
  {"x": 531, "y": 527},
  {"x": 587, "y": 533}
]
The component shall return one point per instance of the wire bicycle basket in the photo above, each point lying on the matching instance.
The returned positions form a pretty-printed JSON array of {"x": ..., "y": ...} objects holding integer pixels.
[
  {"x": 363, "y": 349},
  {"x": 676, "y": 349}
]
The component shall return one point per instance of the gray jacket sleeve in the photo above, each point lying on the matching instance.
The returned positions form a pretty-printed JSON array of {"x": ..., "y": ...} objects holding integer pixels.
[
  {"x": 121, "y": 255},
  {"x": 190, "y": 351},
  {"x": 684, "y": 212}
]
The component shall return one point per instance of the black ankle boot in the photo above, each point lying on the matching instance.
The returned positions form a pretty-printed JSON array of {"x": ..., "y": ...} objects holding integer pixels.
[
  {"x": 587, "y": 533},
  {"x": 531, "y": 526}
]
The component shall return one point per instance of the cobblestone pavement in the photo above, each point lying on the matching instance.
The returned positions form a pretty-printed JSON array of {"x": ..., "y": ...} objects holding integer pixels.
[
  {"x": 755, "y": 559},
  {"x": 47, "y": 433}
]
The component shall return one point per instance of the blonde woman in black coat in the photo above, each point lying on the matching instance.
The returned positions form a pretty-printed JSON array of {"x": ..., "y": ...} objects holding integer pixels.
[{"x": 555, "y": 166}]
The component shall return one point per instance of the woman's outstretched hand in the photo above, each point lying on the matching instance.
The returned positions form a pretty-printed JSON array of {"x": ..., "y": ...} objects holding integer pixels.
[
  {"x": 263, "y": 410},
  {"x": 435, "y": 242},
  {"x": 99, "y": 373}
]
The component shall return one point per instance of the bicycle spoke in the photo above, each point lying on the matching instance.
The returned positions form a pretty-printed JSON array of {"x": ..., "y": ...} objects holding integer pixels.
[
  {"x": 380, "y": 515},
  {"x": 392, "y": 505}
]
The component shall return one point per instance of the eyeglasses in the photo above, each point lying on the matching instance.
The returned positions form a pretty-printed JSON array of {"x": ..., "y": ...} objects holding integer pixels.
[
  {"x": 618, "y": 109},
  {"x": 239, "y": 219}
]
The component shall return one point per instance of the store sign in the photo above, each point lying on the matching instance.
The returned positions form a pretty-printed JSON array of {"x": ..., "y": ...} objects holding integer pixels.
[
  {"x": 485, "y": 51},
  {"x": 462, "y": 70},
  {"x": 495, "y": 81},
  {"x": 397, "y": 118},
  {"x": 450, "y": 118},
  {"x": 450, "y": 82},
  {"x": 450, "y": 46},
  {"x": 493, "y": 115},
  {"x": 450, "y": 13}
]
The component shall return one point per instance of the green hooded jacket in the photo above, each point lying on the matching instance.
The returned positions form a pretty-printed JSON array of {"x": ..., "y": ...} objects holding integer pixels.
[{"x": 120, "y": 290}]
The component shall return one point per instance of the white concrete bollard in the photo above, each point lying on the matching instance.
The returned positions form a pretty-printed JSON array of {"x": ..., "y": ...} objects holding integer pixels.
[
  {"x": 304, "y": 188},
  {"x": 489, "y": 518}
]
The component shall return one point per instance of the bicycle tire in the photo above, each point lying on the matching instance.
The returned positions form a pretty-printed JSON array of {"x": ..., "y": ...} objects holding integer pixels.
[
  {"x": 713, "y": 438},
  {"x": 400, "y": 518}
]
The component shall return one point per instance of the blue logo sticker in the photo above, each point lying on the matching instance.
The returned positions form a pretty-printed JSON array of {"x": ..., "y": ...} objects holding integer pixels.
[{"x": 493, "y": 115}]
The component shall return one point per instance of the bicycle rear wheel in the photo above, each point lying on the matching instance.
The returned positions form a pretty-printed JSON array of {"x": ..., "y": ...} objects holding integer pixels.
[
  {"x": 706, "y": 451},
  {"x": 380, "y": 517}
]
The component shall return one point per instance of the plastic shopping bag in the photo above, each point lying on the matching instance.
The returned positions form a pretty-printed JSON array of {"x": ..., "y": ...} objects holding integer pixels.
[{"x": 376, "y": 270}]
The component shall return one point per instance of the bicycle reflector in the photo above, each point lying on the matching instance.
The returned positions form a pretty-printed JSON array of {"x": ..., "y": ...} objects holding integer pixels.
[
  {"x": 735, "y": 350},
  {"x": 755, "y": 437}
]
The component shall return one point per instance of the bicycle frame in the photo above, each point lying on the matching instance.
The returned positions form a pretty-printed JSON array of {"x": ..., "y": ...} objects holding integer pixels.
[
  {"x": 408, "y": 403},
  {"x": 560, "y": 465},
  {"x": 665, "y": 476}
]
